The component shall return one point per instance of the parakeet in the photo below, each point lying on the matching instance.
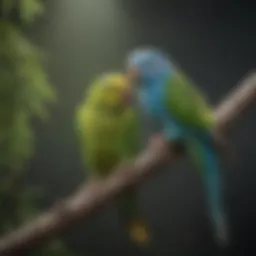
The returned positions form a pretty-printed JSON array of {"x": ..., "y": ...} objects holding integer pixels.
[
  {"x": 167, "y": 95},
  {"x": 108, "y": 132}
]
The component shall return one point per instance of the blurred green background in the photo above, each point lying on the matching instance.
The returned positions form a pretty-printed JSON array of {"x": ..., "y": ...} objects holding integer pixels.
[{"x": 50, "y": 50}]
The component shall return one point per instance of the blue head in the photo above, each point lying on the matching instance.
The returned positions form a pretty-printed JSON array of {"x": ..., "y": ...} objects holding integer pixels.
[
  {"x": 147, "y": 70},
  {"x": 149, "y": 64}
]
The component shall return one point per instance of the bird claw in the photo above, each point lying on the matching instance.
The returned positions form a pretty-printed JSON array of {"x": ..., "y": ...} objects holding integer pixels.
[{"x": 139, "y": 233}]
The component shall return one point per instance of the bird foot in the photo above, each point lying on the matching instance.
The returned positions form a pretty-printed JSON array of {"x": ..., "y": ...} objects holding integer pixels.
[{"x": 139, "y": 233}]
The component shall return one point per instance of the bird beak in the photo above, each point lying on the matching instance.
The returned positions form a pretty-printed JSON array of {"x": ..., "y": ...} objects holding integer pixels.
[{"x": 133, "y": 76}]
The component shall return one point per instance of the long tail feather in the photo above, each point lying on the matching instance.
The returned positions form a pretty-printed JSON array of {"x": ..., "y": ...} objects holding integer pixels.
[{"x": 207, "y": 160}]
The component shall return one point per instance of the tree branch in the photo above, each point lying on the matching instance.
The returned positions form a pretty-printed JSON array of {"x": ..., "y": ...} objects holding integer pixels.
[{"x": 95, "y": 194}]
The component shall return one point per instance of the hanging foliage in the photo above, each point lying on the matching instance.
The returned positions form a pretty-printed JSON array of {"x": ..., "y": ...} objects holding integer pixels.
[{"x": 24, "y": 93}]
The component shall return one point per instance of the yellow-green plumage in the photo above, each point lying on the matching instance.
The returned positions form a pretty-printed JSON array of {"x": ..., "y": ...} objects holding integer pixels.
[
  {"x": 187, "y": 104},
  {"x": 108, "y": 133},
  {"x": 103, "y": 137}
]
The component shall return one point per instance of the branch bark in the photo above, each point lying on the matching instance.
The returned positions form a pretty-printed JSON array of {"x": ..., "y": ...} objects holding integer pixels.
[{"x": 96, "y": 194}]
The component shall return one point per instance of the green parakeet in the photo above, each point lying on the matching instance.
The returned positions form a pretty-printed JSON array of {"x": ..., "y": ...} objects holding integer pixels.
[{"x": 108, "y": 132}]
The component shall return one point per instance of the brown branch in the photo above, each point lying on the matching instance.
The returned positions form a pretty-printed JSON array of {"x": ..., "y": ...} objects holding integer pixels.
[{"x": 95, "y": 194}]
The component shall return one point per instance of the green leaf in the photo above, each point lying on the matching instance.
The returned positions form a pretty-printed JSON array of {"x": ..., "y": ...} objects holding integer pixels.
[
  {"x": 24, "y": 92},
  {"x": 30, "y": 9}
]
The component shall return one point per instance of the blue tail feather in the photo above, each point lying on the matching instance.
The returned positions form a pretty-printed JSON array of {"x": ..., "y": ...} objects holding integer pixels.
[
  {"x": 212, "y": 179},
  {"x": 209, "y": 162}
]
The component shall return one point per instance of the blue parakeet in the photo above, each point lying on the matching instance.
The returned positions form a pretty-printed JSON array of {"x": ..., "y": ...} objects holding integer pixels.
[{"x": 167, "y": 95}]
